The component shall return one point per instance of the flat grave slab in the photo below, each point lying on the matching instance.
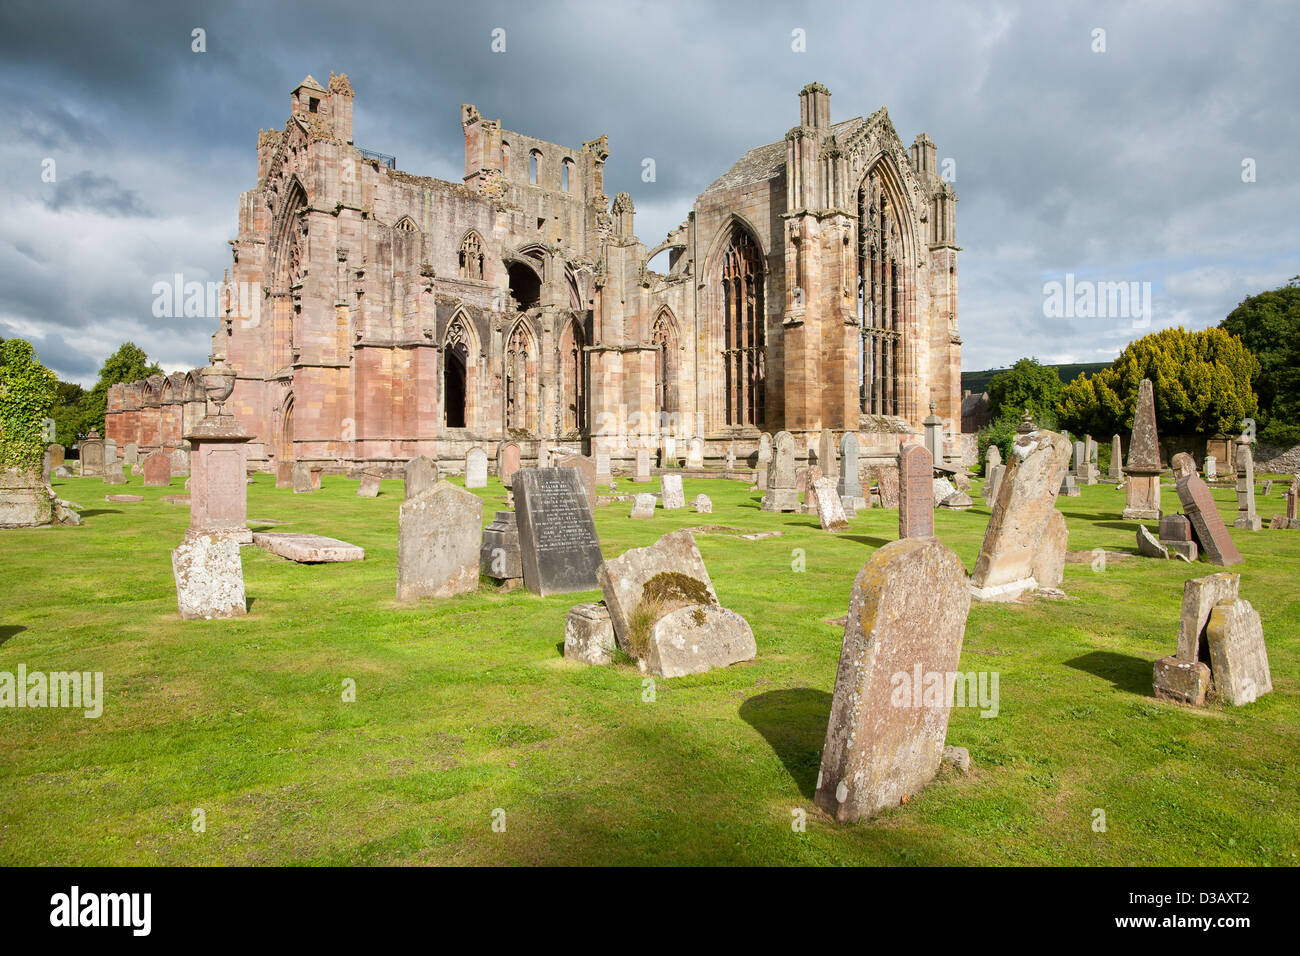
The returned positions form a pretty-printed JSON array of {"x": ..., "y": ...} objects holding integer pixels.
[{"x": 308, "y": 548}]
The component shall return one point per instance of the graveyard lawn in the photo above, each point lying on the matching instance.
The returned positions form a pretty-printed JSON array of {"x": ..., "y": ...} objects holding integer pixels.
[{"x": 467, "y": 713}]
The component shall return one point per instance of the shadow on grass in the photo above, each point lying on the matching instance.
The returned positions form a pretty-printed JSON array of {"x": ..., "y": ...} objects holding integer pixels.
[
  {"x": 94, "y": 512},
  {"x": 793, "y": 722},
  {"x": 863, "y": 539},
  {"x": 9, "y": 630},
  {"x": 1124, "y": 671}
]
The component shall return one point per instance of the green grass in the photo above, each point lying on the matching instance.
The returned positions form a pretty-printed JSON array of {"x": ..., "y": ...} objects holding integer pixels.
[{"x": 466, "y": 705}]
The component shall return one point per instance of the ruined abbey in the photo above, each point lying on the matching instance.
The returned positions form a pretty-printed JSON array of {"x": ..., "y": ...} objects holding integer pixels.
[{"x": 813, "y": 285}]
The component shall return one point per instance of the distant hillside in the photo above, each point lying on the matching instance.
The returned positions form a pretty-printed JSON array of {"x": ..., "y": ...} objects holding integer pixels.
[{"x": 979, "y": 381}]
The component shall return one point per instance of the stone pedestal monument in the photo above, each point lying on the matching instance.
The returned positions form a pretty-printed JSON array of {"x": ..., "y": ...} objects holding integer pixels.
[{"x": 1142, "y": 490}]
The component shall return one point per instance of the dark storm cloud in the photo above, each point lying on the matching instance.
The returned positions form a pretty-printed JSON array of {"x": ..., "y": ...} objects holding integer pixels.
[{"x": 1122, "y": 165}]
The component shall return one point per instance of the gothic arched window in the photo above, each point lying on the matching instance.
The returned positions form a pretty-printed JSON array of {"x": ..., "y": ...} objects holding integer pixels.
[
  {"x": 744, "y": 331},
  {"x": 471, "y": 257}
]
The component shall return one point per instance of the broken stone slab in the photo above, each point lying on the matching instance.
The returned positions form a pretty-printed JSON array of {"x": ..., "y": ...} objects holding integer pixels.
[
  {"x": 907, "y": 616},
  {"x": 500, "y": 556},
  {"x": 589, "y": 635},
  {"x": 369, "y": 487},
  {"x": 308, "y": 548},
  {"x": 1238, "y": 658},
  {"x": 209, "y": 577},
  {"x": 1200, "y": 595},
  {"x": 698, "y": 638},
  {"x": 702, "y": 504},
  {"x": 124, "y": 499},
  {"x": 1148, "y": 545},
  {"x": 1187, "y": 682},
  {"x": 943, "y": 490},
  {"x": 958, "y": 501}
]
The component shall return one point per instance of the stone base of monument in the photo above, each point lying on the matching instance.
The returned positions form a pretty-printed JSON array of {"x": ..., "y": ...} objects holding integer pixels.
[
  {"x": 1187, "y": 550},
  {"x": 24, "y": 500},
  {"x": 1187, "y": 682},
  {"x": 1253, "y": 523},
  {"x": 781, "y": 500},
  {"x": 1010, "y": 591},
  {"x": 589, "y": 634},
  {"x": 499, "y": 555},
  {"x": 209, "y": 578},
  {"x": 308, "y": 548}
]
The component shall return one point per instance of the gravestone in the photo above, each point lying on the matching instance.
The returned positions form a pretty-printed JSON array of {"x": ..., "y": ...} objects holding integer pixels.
[
  {"x": 1022, "y": 514},
  {"x": 1116, "y": 457},
  {"x": 1185, "y": 675},
  {"x": 91, "y": 455},
  {"x": 284, "y": 474},
  {"x": 499, "y": 555},
  {"x": 302, "y": 478},
  {"x": 915, "y": 492},
  {"x": 993, "y": 480},
  {"x": 131, "y": 454},
  {"x": 1142, "y": 487},
  {"x": 57, "y": 456},
  {"x": 782, "y": 495},
  {"x": 603, "y": 475},
  {"x": 1211, "y": 533},
  {"x": 1211, "y": 468},
  {"x": 764, "y": 450},
  {"x": 703, "y": 506},
  {"x": 830, "y": 510},
  {"x": 157, "y": 470},
  {"x": 557, "y": 534},
  {"x": 209, "y": 577},
  {"x": 804, "y": 482},
  {"x": 113, "y": 473},
  {"x": 1247, "y": 517},
  {"x": 887, "y": 486},
  {"x": 1238, "y": 657},
  {"x": 992, "y": 457},
  {"x": 642, "y": 473},
  {"x": 1182, "y": 464},
  {"x": 731, "y": 457},
  {"x": 586, "y": 469},
  {"x": 1087, "y": 468},
  {"x": 110, "y": 451},
  {"x": 440, "y": 532},
  {"x": 369, "y": 486},
  {"x": 507, "y": 461},
  {"x": 826, "y": 458},
  {"x": 849, "y": 484},
  {"x": 671, "y": 494},
  {"x": 1069, "y": 487},
  {"x": 1048, "y": 567},
  {"x": 419, "y": 475},
  {"x": 667, "y": 451},
  {"x": 589, "y": 635},
  {"x": 643, "y": 506},
  {"x": 1175, "y": 536},
  {"x": 907, "y": 615},
  {"x": 1268, "y": 487},
  {"x": 308, "y": 548},
  {"x": 665, "y": 612},
  {"x": 476, "y": 468},
  {"x": 695, "y": 453}
]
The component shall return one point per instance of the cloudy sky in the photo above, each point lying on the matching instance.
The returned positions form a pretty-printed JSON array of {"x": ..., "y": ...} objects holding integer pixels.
[{"x": 1122, "y": 165}]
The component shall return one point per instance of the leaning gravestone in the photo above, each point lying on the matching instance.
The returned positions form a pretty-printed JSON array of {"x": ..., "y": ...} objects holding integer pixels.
[
  {"x": 915, "y": 492},
  {"x": 369, "y": 486},
  {"x": 157, "y": 470},
  {"x": 665, "y": 612},
  {"x": 1022, "y": 514},
  {"x": 284, "y": 474},
  {"x": 557, "y": 534},
  {"x": 1238, "y": 658},
  {"x": 302, "y": 478},
  {"x": 849, "y": 484},
  {"x": 907, "y": 615},
  {"x": 782, "y": 494},
  {"x": 439, "y": 535},
  {"x": 1211, "y": 533},
  {"x": 1247, "y": 517},
  {"x": 586, "y": 469},
  {"x": 670, "y": 488},
  {"x": 1142, "y": 488},
  {"x": 476, "y": 468},
  {"x": 830, "y": 510},
  {"x": 420, "y": 475}
]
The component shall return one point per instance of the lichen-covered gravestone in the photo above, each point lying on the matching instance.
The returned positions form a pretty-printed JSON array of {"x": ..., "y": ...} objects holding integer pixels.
[
  {"x": 782, "y": 494},
  {"x": 884, "y": 740},
  {"x": 438, "y": 540},
  {"x": 830, "y": 510},
  {"x": 670, "y": 487},
  {"x": 419, "y": 476},
  {"x": 643, "y": 506},
  {"x": 209, "y": 577},
  {"x": 703, "y": 505},
  {"x": 849, "y": 484},
  {"x": 302, "y": 481},
  {"x": 665, "y": 612}
]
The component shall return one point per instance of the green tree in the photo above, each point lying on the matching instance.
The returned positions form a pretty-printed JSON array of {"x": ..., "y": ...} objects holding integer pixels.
[
  {"x": 69, "y": 413},
  {"x": 27, "y": 393},
  {"x": 1202, "y": 383},
  {"x": 128, "y": 364},
  {"x": 1269, "y": 325},
  {"x": 1027, "y": 384}
]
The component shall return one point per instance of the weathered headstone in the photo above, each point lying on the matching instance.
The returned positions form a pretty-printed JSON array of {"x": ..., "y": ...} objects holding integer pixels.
[
  {"x": 1022, "y": 510},
  {"x": 419, "y": 476},
  {"x": 130, "y": 454},
  {"x": 507, "y": 461},
  {"x": 603, "y": 475},
  {"x": 665, "y": 612},
  {"x": 826, "y": 458},
  {"x": 1185, "y": 675},
  {"x": 476, "y": 468},
  {"x": 302, "y": 483},
  {"x": 672, "y": 496},
  {"x": 915, "y": 492},
  {"x": 643, "y": 506},
  {"x": 440, "y": 532},
  {"x": 849, "y": 484},
  {"x": 1182, "y": 464},
  {"x": 1148, "y": 545},
  {"x": 642, "y": 473},
  {"x": 90, "y": 451},
  {"x": 1247, "y": 517},
  {"x": 890, "y": 708},
  {"x": 308, "y": 548},
  {"x": 695, "y": 453},
  {"x": 557, "y": 534},
  {"x": 209, "y": 577},
  {"x": 804, "y": 482},
  {"x": 703, "y": 506},
  {"x": 992, "y": 457},
  {"x": 157, "y": 470},
  {"x": 1238, "y": 657},
  {"x": 499, "y": 555},
  {"x": 586, "y": 469},
  {"x": 830, "y": 510},
  {"x": 110, "y": 451},
  {"x": 58, "y": 455},
  {"x": 589, "y": 635},
  {"x": 1142, "y": 487},
  {"x": 1211, "y": 533},
  {"x": 1048, "y": 566},
  {"x": 993, "y": 480},
  {"x": 1268, "y": 487},
  {"x": 782, "y": 494},
  {"x": 887, "y": 486},
  {"x": 764, "y": 450},
  {"x": 113, "y": 473},
  {"x": 369, "y": 486},
  {"x": 1175, "y": 536},
  {"x": 284, "y": 474},
  {"x": 1211, "y": 468}
]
